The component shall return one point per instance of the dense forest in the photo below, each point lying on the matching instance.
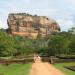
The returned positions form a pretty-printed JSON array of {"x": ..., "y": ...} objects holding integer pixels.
[{"x": 62, "y": 43}]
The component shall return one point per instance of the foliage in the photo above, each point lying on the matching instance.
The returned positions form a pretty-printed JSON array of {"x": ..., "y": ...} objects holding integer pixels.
[
  {"x": 15, "y": 45},
  {"x": 62, "y": 43},
  {"x": 6, "y": 44}
]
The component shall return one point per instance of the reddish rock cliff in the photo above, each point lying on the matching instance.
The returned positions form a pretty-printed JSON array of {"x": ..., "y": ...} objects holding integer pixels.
[{"x": 28, "y": 25}]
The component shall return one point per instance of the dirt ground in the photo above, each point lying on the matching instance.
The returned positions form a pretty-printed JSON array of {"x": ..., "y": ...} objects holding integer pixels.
[{"x": 44, "y": 68}]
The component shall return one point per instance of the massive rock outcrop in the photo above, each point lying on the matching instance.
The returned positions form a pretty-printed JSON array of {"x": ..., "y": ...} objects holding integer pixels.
[{"x": 28, "y": 25}]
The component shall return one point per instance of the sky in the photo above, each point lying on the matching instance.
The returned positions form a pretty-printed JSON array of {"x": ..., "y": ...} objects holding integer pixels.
[{"x": 63, "y": 11}]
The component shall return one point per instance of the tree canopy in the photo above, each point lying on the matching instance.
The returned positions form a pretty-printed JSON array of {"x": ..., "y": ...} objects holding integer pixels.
[{"x": 54, "y": 44}]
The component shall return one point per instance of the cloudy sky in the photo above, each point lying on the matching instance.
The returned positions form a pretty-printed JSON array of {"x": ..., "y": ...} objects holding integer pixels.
[{"x": 63, "y": 11}]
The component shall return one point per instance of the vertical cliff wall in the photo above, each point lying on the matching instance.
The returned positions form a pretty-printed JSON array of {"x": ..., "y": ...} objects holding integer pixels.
[{"x": 29, "y": 25}]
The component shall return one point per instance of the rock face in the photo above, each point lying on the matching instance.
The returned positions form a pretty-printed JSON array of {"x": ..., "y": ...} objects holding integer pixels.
[{"x": 28, "y": 25}]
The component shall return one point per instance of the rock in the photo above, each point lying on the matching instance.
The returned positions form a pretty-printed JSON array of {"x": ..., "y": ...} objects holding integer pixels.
[{"x": 29, "y": 25}]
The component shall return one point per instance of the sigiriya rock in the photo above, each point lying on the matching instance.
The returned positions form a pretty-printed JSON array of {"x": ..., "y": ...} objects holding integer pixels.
[{"x": 24, "y": 24}]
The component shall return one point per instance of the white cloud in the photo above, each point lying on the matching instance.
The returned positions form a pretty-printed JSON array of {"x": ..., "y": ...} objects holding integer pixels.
[
  {"x": 65, "y": 24},
  {"x": 1, "y": 25},
  {"x": 70, "y": 3}
]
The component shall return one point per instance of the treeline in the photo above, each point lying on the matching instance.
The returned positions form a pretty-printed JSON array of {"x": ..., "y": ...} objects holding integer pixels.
[
  {"x": 62, "y": 43},
  {"x": 15, "y": 45}
]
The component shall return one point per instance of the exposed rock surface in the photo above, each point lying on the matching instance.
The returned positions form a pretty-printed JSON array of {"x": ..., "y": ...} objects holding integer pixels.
[{"x": 29, "y": 25}]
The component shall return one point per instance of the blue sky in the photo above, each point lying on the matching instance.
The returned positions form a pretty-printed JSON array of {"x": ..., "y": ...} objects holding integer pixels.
[{"x": 63, "y": 11}]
